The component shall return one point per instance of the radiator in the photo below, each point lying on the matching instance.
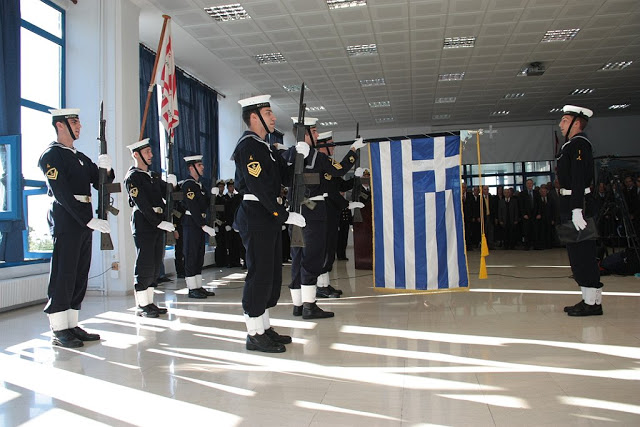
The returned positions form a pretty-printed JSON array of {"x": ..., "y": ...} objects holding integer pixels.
[{"x": 23, "y": 291}]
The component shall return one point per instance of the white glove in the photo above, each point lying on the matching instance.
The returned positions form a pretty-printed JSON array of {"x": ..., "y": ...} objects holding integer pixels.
[
  {"x": 359, "y": 172},
  {"x": 209, "y": 230},
  {"x": 216, "y": 228},
  {"x": 167, "y": 226},
  {"x": 100, "y": 225},
  {"x": 578, "y": 221},
  {"x": 104, "y": 161},
  {"x": 303, "y": 148},
  {"x": 296, "y": 219},
  {"x": 227, "y": 227},
  {"x": 215, "y": 191},
  {"x": 357, "y": 144},
  {"x": 171, "y": 179},
  {"x": 284, "y": 227},
  {"x": 354, "y": 205}
]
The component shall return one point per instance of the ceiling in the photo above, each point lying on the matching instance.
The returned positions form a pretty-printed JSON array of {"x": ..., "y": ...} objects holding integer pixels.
[{"x": 409, "y": 35}]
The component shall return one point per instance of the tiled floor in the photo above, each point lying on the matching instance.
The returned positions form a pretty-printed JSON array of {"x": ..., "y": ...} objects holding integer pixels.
[{"x": 503, "y": 354}]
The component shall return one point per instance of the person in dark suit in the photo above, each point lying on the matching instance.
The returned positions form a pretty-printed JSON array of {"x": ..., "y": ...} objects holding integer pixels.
[
  {"x": 545, "y": 220},
  {"x": 221, "y": 252},
  {"x": 529, "y": 205},
  {"x": 234, "y": 243},
  {"x": 474, "y": 210},
  {"x": 489, "y": 212},
  {"x": 508, "y": 217}
]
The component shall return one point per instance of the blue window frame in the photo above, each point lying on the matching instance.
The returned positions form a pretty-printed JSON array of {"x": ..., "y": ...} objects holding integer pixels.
[{"x": 9, "y": 177}]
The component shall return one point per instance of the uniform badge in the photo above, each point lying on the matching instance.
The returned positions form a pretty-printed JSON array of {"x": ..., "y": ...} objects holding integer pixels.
[
  {"x": 336, "y": 164},
  {"x": 81, "y": 163},
  {"x": 352, "y": 159},
  {"x": 254, "y": 169},
  {"x": 52, "y": 174},
  {"x": 579, "y": 155},
  {"x": 134, "y": 191},
  {"x": 327, "y": 177},
  {"x": 190, "y": 195}
]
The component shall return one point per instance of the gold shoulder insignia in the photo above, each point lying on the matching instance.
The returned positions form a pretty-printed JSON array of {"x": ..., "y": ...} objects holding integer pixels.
[
  {"x": 251, "y": 157},
  {"x": 254, "y": 169},
  {"x": 134, "y": 191},
  {"x": 191, "y": 195},
  {"x": 275, "y": 214},
  {"x": 52, "y": 174},
  {"x": 327, "y": 177},
  {"x": 352, "y": 159},
  {"x": 579, "y": 155},
  {"x": 336, "y": 164}
]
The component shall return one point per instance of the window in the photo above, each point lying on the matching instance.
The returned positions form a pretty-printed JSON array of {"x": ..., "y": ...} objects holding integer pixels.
[
  {"x": 511, "y": 175},
  {"x": 42, "y": 88}
]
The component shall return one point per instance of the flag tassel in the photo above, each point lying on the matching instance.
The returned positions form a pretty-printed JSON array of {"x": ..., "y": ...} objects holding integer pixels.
[
  {"x": 483, "y": 269},
  {"x": 484, "y": 248}
]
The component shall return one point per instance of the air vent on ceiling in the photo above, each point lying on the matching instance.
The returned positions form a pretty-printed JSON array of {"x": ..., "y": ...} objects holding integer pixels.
[{"x": 533, "y": 69}]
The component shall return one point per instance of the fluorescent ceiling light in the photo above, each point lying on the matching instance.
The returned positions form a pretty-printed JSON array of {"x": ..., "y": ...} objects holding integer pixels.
[
  {"x": 372, "y": 82},
  {"x": 582, "y": 91},
  {"x": 293, "y": 88},
  {"x": 560, "y": 35},
  {"x": 450, "y": 77},
  {"x": 378, "y": 104},
  {"x": 339, "y": 4},
  {"x": 270, "y": 58},
  {"x": 615, "y": 66},
  {"x": 513, "y": 95},
  {"x": 362, "y": 49},
  {"x": 446, "y": 100},
  {"x": 228, "y": 12},
  {"x": 457, "y": 42},
  {"x": 440, "y": 116},
  {"x": 500, "y": 113},
  {"x": 329, "y": 124},
  {"x": 316, "y": 108},
  {"x": 618, "y": 106},
  {"x": 384, "y": 120},
  {"x": 555, "y": 110}
]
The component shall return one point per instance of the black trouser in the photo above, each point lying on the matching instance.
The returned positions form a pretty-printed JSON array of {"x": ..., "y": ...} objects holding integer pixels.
[
  {"x": 306, "y": 263},
  {"x": 193, "y": 250},
  {"x": 331, "y": 244},
  {"x": 179, "y": 254},
  {"x": 582, "y": 255},
  {"x": 343, "y": 238},
  {"x": 528, "y": 231},
  {"x": 69, "y": 274},
  {"x": 234, "y": 243},
  {"x": 149, "y": 258},
  {"x": 262, "y": 239},
  {"x": 221, "y": 248}
]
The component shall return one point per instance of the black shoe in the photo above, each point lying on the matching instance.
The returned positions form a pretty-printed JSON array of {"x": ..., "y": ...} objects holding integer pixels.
[
  {"x": 310, "y": 310},
  {"x": 276, "y": 337},
  {"x": 334, "y": 290},
  {"x": 586, "y": 310},
  {"x": 147, "y": 311},
  {"x": 324, "y": 292},
  {"x": 297, "y": 310},
  {"x": 573, "y": 307},
  {"x": 261, "y": 342},
  {"x": 197, "y": 293},
  {"x": 208, "y": 293},
  {"x": 158, "y": 309},
  {"x": 163, "y": 279},
  {"x": 83, "y": 335},
  {"x": 66, "y": 338}
]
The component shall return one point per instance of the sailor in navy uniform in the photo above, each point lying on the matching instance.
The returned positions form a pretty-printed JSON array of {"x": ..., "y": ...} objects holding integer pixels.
[
  {"x": 221, "y": 255},
  {"x": 232, "y": 202},
  {"x": 260, "y": 171},
  {"x": 307, "y": 262},
  {"x": 194, "y": 226},
  {"x": 335, "y": 204},
  {"x": 575, "y": 174},
  {"x": 70, "y": 175},
  {"x": 146, "y": 191}
]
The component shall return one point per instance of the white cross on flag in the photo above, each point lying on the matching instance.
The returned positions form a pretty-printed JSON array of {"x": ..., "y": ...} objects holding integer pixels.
[{"x": 166, "y": 78}]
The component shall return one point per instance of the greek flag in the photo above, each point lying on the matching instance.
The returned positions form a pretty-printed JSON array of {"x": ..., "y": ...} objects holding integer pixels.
[{"x": 417, "y": 214}]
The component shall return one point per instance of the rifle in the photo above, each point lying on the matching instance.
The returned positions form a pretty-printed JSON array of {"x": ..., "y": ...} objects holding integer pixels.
[
  {"x": 105, "y": 203},
  {"x": 297, "y": 187},
  {"x": 213, "y": 210},
  {"x": 355, "y": 193}
]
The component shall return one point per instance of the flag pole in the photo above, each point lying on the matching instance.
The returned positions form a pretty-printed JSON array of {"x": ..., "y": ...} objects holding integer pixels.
[
  {"x": 152, "y": 82},
  {"x": 484, "y": 248}
]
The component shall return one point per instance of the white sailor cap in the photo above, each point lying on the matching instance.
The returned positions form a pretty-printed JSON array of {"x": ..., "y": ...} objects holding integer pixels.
[
  {"x": 137, "y": 146},
  {"x": 193, "y": 159},
  {"x": 255, "y": 102},
  {"x": 64, "y": 113},
  {"x": 220, "y": 182},
  {"x": 325, "y": 136},
  {"x": 574, "y": 110},
  {"x": 308, "y": 121},
  {"x": 230, "y": 181}
]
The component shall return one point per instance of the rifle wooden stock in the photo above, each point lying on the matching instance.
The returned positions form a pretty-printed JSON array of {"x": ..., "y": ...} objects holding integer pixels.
[{"x": 105, "y": 189}]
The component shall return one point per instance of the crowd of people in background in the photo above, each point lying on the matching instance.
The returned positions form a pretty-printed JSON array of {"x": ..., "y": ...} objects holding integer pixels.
[{"x": 526, "y": 219}]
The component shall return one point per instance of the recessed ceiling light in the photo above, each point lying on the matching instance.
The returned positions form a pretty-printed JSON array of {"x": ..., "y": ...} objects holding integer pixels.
[
  {"x": 555, "y": 110},
  {"x": 618, "y": 106},
  {"x": 378, "y": 104},
  {"x": 339, "y": 4},
  {"x": 316, "y": 108},
  {"x": 500, "y": 113},
  {"x": 228, "y": 12},
  {"x": 329, "y": 124},
  {"x": 294, "y": 88},
  {"x": 372, "y": 82},
  {"x": 270, "y": 58},
  {"x": 456, "y": 42},
  {"x": 446, "y": 100},
  {"x": 362, "y": 49},
  {"x": 560, "y": 35},
  {"x": 582, "y": 91},
  {"x": 384, "y": 120},
  {"x": 450, "y": 77},
  {"x": 440, "y": 116},
  {"x": 513, "y": 95},
  {"x": 615, "y": 66}
]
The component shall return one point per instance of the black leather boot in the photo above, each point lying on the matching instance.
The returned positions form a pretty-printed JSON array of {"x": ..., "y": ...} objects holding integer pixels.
[
  {"x": 276, "y": 337},
  {"x": 66, "y": 338},
  {"x": 310, "y": 310},
  {"x": 261, "y": 342},
  {"x": 83, "y": 335},
  {"x": 147, "y": 311},
  {"x": 325, "y": 292}
]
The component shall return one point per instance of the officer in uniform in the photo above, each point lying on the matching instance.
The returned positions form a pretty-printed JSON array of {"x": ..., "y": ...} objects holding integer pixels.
[
  {"x": 307, "y": 262},
  {"x": 335, "y": 204},
  {"x": 146, "y": 191},
  {"x": 232, "y": 202},
  {"x": 575, "y": 174},
  {"x": 221, "y": 242},
  {"x": 70, "y": 175},
  {"x": 194, "y": 226},
  {"x": 260, "y": 171}
]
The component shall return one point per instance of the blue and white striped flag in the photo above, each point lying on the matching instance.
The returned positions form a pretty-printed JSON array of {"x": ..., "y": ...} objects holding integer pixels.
[{"x": 417, "y": 214}]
